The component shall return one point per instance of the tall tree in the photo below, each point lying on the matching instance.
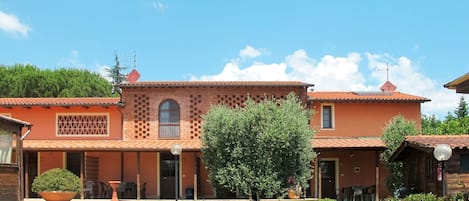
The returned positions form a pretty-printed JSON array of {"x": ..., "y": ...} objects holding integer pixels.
[
  {"x": 393, "y": 135},
  {"x": 30, "y": 81},
  {"x": 257, "y": 148},
  {"x": 461, "y": 110},
  {"x": 115, "y": 73}
]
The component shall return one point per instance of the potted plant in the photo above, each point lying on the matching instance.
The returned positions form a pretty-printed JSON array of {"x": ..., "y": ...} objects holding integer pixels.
[
  {"x": 294, "y": 191},
  {"x": 57, "y": 185}
]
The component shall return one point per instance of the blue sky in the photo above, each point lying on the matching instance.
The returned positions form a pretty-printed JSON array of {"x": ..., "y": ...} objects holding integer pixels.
[{"x": 336, "y": 45}]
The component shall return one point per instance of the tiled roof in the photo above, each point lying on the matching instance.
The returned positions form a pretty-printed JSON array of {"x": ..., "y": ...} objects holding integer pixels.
[
  {"x": 430, "y": 141},
  {"x": 88, "y": 101},
  {"x": 322, "y": 96},
  {"x": 159, "y": 145},
  {"x": 168, "y": 84},
  {"x": 109, "y": 145},
  {"x": 335, "y": 143},
  {"x": 17, "y": 121}
]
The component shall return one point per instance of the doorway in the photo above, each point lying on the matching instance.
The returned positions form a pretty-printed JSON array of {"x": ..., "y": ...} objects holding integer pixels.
[
  {"x": 167, "y": 176},
  {"x": 328, "y": 179}
]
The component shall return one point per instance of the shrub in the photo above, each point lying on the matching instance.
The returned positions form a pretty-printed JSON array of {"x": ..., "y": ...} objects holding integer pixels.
[
  {"x": 422, "y": 197},
  {"x": 57, "y": 180},
  {"x": 326, "y": 199}
]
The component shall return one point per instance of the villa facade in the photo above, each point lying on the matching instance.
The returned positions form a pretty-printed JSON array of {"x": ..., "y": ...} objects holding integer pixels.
[{"x": 129, "y": 138}]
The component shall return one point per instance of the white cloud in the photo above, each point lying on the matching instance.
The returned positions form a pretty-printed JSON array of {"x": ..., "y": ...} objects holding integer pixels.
[
  {"x": 159, "y": 6},
  {"x": 343, "y": 73},
  {"x": 249, "y": 52},
  {"x": 72, "y": 61},
  {"x": 12, "y": 25},
  {"x": 406, "y": 76}
]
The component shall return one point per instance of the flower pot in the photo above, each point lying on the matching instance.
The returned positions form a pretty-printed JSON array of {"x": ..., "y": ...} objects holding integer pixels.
[
  {"x": 292, "y": 194},
  {"x": 57, "y": 195}
]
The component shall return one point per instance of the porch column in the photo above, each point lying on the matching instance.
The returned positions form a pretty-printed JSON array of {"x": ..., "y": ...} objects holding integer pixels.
[
  {"x": 377, "y": 175},
  {"x": 82, "y": 170},
  {"x": 138, "y": 175}
]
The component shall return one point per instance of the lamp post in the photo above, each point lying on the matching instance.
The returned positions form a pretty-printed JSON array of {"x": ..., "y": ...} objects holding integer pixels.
[
  {"x": 176, "y": 150},
  {"x": 442, "y": 153}
]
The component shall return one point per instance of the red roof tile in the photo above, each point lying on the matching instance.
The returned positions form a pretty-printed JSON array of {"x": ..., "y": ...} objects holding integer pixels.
[
  {"x": 323, "y": 96},
  {"x": 109, "y": 145},
  {"x": 335, "y": 143},
  {"x": 159, "y": 145},
  {"x": 430, "y": 141},
  {"x": 166, "y": 84},
  {"x": 88, "y": 101}
]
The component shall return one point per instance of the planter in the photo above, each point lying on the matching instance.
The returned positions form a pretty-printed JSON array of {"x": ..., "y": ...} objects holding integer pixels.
[
  {"x": 57, "y": 195},
  {"x": 292, "y": 194}
]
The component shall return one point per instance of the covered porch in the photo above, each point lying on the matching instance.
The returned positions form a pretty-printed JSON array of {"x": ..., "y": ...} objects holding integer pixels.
[
  {"x": 145, "y": 168},
  {"x": 348, "y": 168}
]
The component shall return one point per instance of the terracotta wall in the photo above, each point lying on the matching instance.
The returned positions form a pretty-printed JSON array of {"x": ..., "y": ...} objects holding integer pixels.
[
  {"x": 44, "y": 120},
  {"x": 49, "y": 160},
  {"x": 364, "y": 119},
  {"x": 142, "y": 106}
]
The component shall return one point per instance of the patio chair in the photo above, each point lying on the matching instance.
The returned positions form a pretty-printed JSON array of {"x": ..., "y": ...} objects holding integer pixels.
[
  {"x": 357, "y": 192},
  {"x": 89, "y": 189}
]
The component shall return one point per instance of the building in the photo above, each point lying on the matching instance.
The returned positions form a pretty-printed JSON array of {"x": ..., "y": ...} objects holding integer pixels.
[
  {"x": 349, "y": 126},
  {"x": 129, "y": 138}
]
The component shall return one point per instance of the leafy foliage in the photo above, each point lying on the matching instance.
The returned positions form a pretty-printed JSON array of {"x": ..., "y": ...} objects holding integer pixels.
[
  {"x": 393, "y": 135},
  {"x": 457, "y": 123},
  {"x": 258, "y": 147},
  {"x": 422, "y": 197},
  {"x": 57, "y": 179},
  {"x": 30, "y": 81}
]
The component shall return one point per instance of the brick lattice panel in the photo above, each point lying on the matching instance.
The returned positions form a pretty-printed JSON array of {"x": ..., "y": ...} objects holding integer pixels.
[
  {"x": 141, "y": 116},
  {"x": 195, "y": 116},
  {"x": 238, "y": 100},
  {"x": 82, "y": 124}
]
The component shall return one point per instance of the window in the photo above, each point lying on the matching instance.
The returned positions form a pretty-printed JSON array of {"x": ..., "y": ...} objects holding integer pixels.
[
  {"x": 430, "y": 172},
  {"x": 169, "y": 119},
  {"x": 464, "y": 162},
  {"x": 6, "y": 142},
  {"x": 83, "y": 124},
  {"x": 327, "y": 117}
]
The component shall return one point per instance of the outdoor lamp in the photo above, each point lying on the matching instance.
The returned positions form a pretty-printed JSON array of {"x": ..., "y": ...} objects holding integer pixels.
[
  {"x": 176, "y": 150},
  {"x": 442, "y": 153}
]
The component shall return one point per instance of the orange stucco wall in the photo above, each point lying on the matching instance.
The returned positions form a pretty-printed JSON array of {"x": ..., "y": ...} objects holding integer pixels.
[
  {"x": 363, "y": 119},
  {"x": 44, "y": 120},
  {"x": 49, "y": 160}
]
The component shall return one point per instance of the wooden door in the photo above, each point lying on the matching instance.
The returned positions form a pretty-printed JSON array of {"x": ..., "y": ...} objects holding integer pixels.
[
  {"x": 167, "y": 176},
  {"x": 328, "y": 179}
]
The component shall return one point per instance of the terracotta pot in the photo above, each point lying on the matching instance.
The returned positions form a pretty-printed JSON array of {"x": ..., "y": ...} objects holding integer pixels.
[
  {"x": 292, "y": 194},
  {"x": 57, "y": 195}
]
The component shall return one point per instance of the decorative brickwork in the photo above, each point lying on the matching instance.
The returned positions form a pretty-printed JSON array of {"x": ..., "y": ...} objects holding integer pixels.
[
  {"x": 82, "y": 124},
  {"x": 195, "y": 116},
  {"x": 141, "y": 116},
  {"x": 233, "y": 100}
]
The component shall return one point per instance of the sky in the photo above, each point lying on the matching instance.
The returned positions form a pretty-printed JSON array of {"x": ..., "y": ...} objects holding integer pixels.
[{"x": 336, "y": 45}]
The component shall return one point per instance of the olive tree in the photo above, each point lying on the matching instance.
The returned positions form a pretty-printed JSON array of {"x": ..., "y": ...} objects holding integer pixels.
[
  {"x": 257, "y": 148},
  {"x": 393, "y": 135}
]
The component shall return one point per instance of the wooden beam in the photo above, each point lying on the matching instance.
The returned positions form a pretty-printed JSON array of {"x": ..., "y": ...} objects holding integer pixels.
[{"x": 463, "y": 87}]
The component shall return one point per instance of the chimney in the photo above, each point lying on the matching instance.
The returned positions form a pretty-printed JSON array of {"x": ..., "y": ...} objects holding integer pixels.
[{"x": 388, "y": 87}]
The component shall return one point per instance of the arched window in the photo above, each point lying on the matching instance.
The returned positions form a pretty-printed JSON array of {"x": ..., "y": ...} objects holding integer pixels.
[{"x": 169, "y": 119}]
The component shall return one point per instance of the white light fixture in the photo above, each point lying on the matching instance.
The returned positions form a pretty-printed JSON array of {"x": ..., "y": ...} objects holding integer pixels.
[
  {"x": 176, "y": 149},
  {"x": 442, "y": 152}
]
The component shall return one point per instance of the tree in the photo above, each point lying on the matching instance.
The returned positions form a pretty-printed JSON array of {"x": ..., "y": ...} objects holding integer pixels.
[
  {"x": 461, "y": 110},
  {"x": 431, "y": 125},
  {"x": 30, "y": 81},
  {"x": 257, "y": 148},
  {"x": 393, "y": 135},
  {"x": 116, "y": 76}
]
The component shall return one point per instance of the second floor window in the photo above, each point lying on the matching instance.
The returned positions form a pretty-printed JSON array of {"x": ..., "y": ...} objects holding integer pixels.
[
  {"x": 169, "y": 119},
  {"x": 327, "y": 116}
]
